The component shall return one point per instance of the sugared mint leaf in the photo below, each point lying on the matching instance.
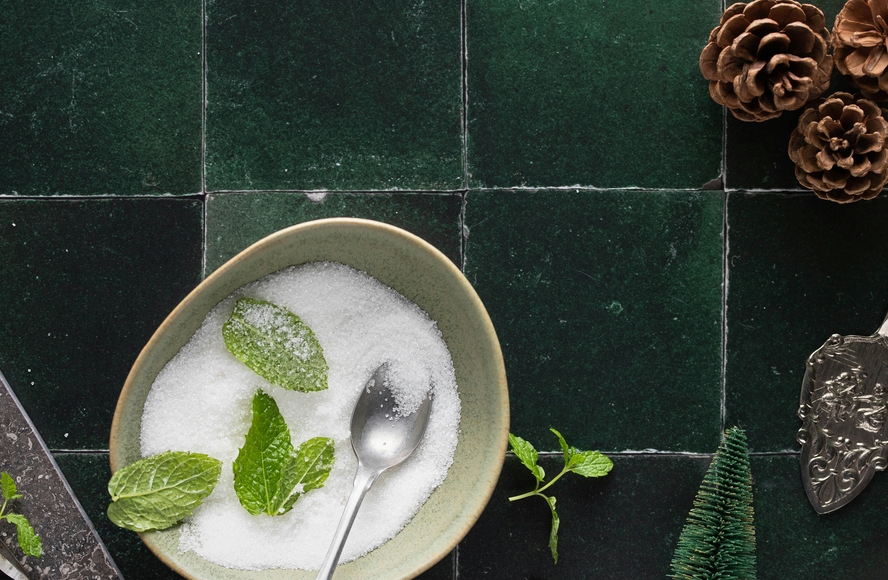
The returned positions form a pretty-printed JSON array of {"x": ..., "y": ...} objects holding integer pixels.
[
  {"x": 156, "y": 492},
  {"x": 526, "y": 452},
  {"x": 7, "y": 487},
  {"x": 28, "y": 540},
  {"x": 260, "y": 462},
  {"x": 269, "y": 474},
  {"x": 307, "y": 469},
  {"x": 275, "y": 344}
]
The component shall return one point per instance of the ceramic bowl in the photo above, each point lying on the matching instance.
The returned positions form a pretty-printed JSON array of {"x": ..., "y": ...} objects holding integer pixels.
[{"x": 424, "y": 275}]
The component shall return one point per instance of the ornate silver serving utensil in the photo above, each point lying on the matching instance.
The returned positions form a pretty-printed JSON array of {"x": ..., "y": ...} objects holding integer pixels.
[{"x": 844, "y": 432}]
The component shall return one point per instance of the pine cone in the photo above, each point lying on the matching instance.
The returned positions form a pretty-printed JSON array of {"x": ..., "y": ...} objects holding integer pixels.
[
  {"x": 766, "y": 57},
  {"x": 839, "y": 148},
  {"x": 859, "y": 39}
]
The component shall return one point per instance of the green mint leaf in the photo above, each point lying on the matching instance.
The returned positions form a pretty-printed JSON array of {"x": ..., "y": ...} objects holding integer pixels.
[
  {"x": 260, "y": 463},
  {"x": 7, "y": 487},
  {"x": 306, "y": 470},
  {"x": 553, "y": 533},
  {"x": 565, "y": 450},
  {"x": 585, "y": 463},
  {"x": 27, "y": 538},
  {"x": 156, "y": 492},
  {"x": 590, "y": 464},
  {"x": 526, "y": 452},
  {"x": 269, "y": 474},
  {"x": 275, "y": 344}
]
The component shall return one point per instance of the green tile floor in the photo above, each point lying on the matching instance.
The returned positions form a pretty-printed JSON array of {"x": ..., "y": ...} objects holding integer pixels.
[{"x": 652, "y": 268}]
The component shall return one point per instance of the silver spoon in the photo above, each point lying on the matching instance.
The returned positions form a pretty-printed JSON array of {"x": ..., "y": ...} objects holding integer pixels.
[{"x": 381, "y": 438}]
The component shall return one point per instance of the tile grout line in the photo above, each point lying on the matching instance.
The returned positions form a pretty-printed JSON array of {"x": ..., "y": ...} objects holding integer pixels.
[
  {"x": 459, "y": 191},
  {"x": 654, "y": 453},
  {"x": 203, "y": 137},
  {"x": 464, "y": 128},
  {"x": 203, "y": 98},
  {"x": 723, "y": 395},
  {"x": 464, "y": 69},
  {"x": 80, "y": 451},
  {"x": 726, "y": 248}
]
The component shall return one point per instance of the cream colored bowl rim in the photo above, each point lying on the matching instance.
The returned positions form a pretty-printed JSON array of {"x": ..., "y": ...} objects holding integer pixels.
[{"x": 262, "y": 245}]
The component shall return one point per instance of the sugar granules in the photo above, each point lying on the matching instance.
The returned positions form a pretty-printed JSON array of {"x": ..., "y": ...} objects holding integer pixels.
[{"x": 201, "y": 402}]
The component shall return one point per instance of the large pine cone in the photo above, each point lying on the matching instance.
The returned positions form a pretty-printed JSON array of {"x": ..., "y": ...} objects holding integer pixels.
[
  {"x": 766, "y": 57},
  {"x": 859, "y": 39},
  {"x": 839, "y": 148}
]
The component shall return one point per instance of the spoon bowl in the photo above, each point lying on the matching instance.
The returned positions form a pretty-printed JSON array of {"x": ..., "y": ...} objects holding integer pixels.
[{"x": 382, "y": 435}]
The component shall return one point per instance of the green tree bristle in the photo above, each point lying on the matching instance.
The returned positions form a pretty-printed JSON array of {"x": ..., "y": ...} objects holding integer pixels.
[{"x": 718, "y": 539}]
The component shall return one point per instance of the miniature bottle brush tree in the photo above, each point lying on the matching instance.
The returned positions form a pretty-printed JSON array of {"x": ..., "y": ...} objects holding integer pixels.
[{"x": 718, "y": 539}]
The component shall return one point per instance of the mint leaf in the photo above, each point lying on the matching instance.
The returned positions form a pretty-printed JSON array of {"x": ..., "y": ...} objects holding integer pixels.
[
  {"x": 7, "y": 487},
  {"x": 275, "y": 344},
  {"x": 156, "y": 492},
  {"x": 27, "y": 538},
  {"x": 260, "y": 462},
  {"x": 269, "y": 474},
  {"x": 585, "y": 463},
  {"x": 553, "y": 533},
  {"x": 590, "y": 464},
  {"x": 526, "y": 452},
  {"x": 565, "y": 450},
  {"x": 307, "y": 469}
]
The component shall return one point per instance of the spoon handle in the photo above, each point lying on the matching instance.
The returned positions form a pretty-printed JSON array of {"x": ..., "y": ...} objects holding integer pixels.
[{"x": 364, "y": 478}]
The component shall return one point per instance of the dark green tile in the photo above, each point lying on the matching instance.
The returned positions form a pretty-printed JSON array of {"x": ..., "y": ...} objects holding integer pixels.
[
  {"x": 799, "y": 269},
  {"x": 88, "y": 475},
  {"x": 334, "y": 95},
  {"x": 591, "y": 93},
  {"x": 794, "y": 542},
  {"x": 621, "y": 526},
  {"x": 85, "y": 284},
  {"x": 100, "y": 97},
  {"x": 608, "y": 309},
  {"x": 234, "y": 221},
  {"x": 756, "y": 153}
]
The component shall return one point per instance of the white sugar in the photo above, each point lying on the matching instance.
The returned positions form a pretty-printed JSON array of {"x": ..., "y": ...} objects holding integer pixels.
[{"x": 201, "y": 402}]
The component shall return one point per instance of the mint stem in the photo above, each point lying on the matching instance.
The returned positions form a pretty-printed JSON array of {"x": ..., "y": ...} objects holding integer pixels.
[{"x": 539, "y": 490}]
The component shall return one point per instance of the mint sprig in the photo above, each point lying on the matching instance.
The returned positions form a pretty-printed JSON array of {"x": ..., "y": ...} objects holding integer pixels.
[
  {"x": 157, "y": 492},
  {"x": 585, "y": 463},
  {"x": 275, "y": 344},
  {"x": 27, "y": 538},
  {"x": 269, "y": 474}
]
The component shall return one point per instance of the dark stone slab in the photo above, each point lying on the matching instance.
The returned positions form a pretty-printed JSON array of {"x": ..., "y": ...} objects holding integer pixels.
[{"x": 71, "y": 548}]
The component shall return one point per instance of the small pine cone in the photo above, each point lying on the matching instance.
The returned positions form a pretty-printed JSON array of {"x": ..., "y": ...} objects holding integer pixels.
[
  {"x": 859, "y": 39},
  {"x": 766, "y": 57},
  {"x": 839, "y": 148}
]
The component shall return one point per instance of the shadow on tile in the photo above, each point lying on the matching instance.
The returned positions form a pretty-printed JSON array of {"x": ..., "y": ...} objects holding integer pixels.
[
  {"x": 85, "y": 285},
  {"x": 234, "y": 221}
]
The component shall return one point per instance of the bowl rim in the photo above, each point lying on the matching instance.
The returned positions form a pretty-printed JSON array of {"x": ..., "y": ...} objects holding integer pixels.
[{"x": 500, "y": 385}]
